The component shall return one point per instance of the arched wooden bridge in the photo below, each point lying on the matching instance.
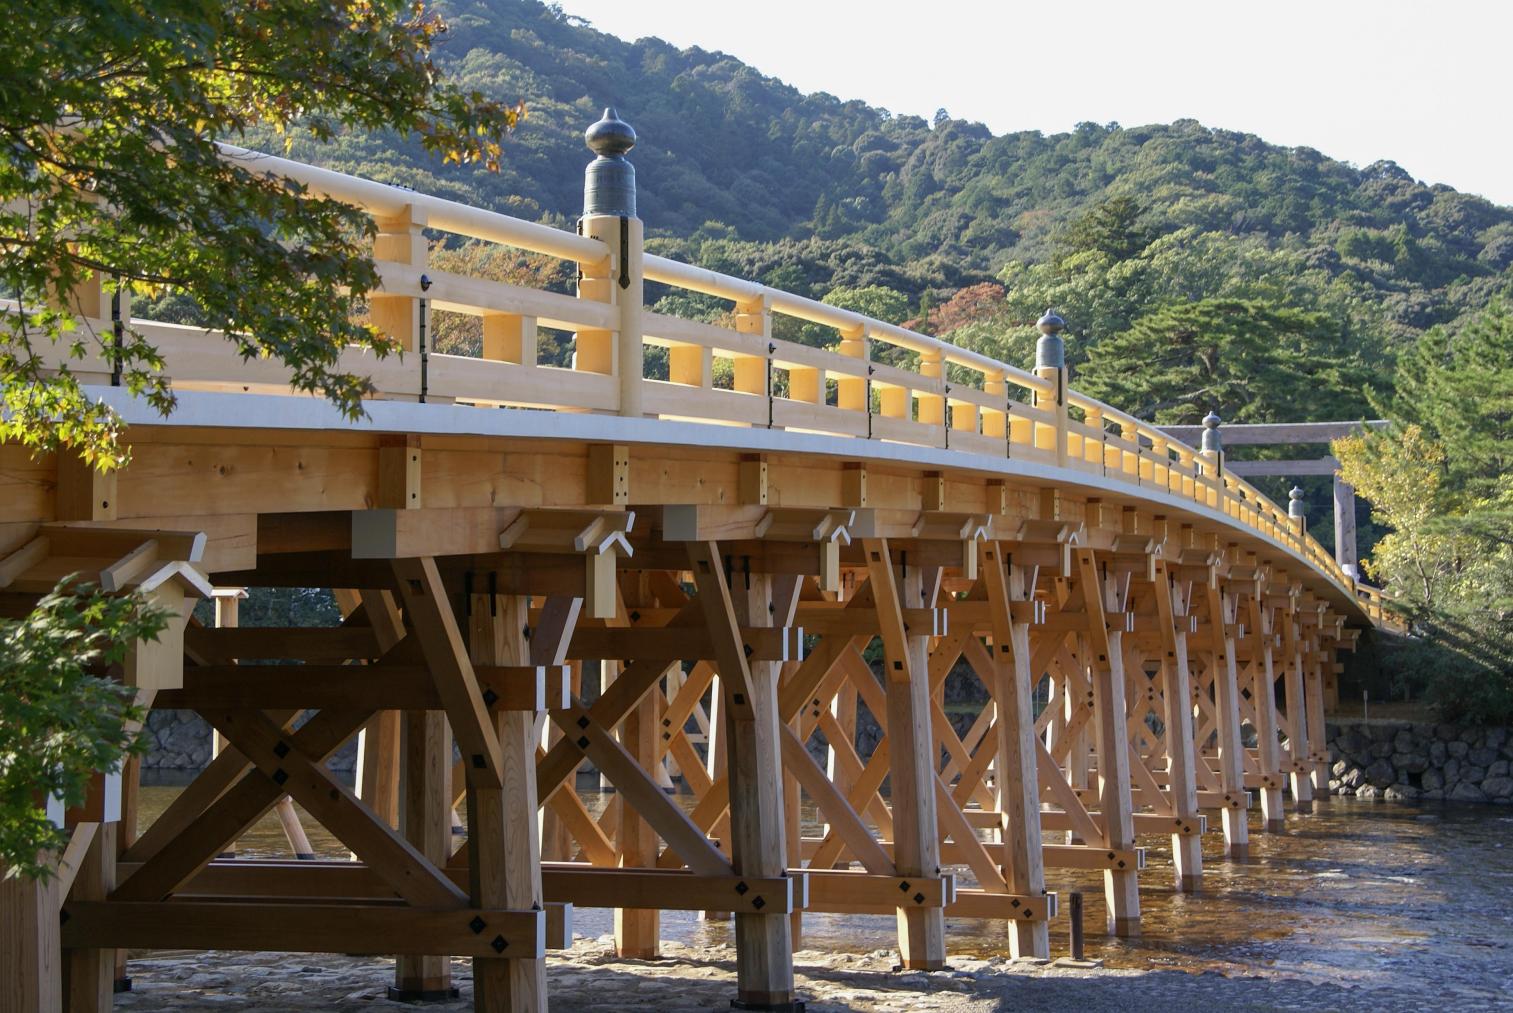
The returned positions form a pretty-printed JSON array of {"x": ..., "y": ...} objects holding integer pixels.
[{"x": 721, "y": 560}]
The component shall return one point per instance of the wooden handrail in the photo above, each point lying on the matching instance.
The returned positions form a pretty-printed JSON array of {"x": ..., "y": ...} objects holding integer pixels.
[{"x": 873, "y": 400}]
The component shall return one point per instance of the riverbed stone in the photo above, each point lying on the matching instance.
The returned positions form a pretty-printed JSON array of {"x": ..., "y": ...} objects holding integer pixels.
[
  {"x": 1399, "y": 792},
  {"x": 1498, "y": 768},
  {"x": 1458, "y": 749},
  {"x": 1432, "y": 780},
  {"x": 1353, "y": 778},
  {"x": 1483, "y": 757},
  {"x": 1368, "y": 791},
  {"x": 1467, "y": 792}
]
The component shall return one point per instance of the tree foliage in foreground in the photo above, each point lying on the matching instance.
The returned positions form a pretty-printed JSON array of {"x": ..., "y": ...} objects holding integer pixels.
[
  {"x": 61, "y": 718},
  {"x": 112, "y": 113}
]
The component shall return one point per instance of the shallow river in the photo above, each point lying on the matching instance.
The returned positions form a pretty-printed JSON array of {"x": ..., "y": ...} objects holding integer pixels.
[{"x": 1358, "y": 893}]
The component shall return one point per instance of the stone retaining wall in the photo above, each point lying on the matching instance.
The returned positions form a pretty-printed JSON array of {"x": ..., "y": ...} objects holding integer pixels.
[{"x": 1399, "y": 759}]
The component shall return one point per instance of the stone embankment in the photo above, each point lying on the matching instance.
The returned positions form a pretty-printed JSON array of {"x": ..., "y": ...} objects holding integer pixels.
[{"x": 1402, "y": 760}]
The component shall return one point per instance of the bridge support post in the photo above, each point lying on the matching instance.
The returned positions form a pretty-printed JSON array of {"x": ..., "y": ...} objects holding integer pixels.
[
  {"x": 1016, "y": 781},
  {"x": 916, "y": 838},
  {"x": 764, "y": 943},
  {"x": 1105, "y": 658},
  {"x": 1177, "y": 694},
  {"x": 1264, "y": 700},
  {"x": 1227, "y": 718}
]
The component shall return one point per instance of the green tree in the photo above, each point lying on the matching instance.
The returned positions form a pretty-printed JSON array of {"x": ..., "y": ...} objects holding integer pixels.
[
  {"x": 1458, "y": 382},
  {"x": 60, "y": 719},
  {"x": 1114, "y": 228},
  {"x": 1250, "y": 361},
  {"x": 113, "y": 116}
]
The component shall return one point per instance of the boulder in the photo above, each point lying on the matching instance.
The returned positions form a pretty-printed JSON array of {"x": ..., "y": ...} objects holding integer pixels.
[
  {"x": 1473, "y": 775},
  {"x": 1498, "y": 769},
  {"x": 1340, "y": 766},
  {"x": 1380, "y": 774},
  {"x": 1446, "y": 732},
  {"x": 1432, "y": 780},
  {"x": 1496, "y": 737},
  {"x": 1451, "y": 771},
  {"x": 1413, "y": 763},
  {"x": 1381, "y": 750},
  {"x": 1465, "y": 792},
  {"x": 1368, "y": 791},
  {"x": 1437, "y": 753},
  {"x": 1498, "y": 787},
  {"x": 1399, "y": 792},
  {"x": 1353, "y": 778},
  {"x": 1483, "y": 757},
  {"x": 1457, "y": 749},
  {"x": 1405, "y": 741}
]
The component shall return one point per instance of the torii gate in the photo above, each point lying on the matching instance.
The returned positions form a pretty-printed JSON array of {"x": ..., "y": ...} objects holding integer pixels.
[{"x": 1288, "y": 433}]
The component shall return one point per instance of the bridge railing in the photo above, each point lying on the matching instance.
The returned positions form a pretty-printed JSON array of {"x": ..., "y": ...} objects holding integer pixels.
[{"x": 875, "y": 380}]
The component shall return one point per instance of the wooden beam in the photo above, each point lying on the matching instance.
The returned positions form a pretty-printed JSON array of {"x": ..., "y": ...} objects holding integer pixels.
[
  {"x": 306, "y": 928},
  {"x": 429, "y": 614}
]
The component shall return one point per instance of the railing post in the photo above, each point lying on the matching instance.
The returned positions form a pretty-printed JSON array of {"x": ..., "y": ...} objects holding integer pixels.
[
  {"x": 1213, "y": 456},
  {"x": 401, "y": 240},
  {"x": 932, "y": 406},
  {"x": 753, "y": 373},
  {"x": 1296, "y": 516},
  {"x": 609, "y": 215},
  {"x": 854, "y": 393},
  {"x": 1050, "y": 365}
]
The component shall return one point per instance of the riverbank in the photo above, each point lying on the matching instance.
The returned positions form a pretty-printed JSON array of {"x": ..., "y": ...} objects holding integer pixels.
[
  {"x": 1362, "y": 905},
  {"x": 590, "y": 979}
]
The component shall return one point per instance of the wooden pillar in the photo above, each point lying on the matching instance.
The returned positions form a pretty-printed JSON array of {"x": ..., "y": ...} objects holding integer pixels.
[
  {"x": 1227, "y": 711},
  {"x": 1121, "y": 887},
  {"x": 504, "y": 847},
  {"x": 916, "y": 837},
  {"x": 1318, "y": 737},
  {"x": 90, "y": 974},
  {"x": 1264, "y": 701},
  {"x": 428, "y": 826},
  {"x": 1177, "y": 694},
  {"x": 637, "y": 930},
  {"x": 764, "y": 944},
  {"x": 1344, "y": 526},
  {"x": 1299, "y": 727},
  {"x": 1017, "y": 783},
  {"x": 31, "y": 978}
]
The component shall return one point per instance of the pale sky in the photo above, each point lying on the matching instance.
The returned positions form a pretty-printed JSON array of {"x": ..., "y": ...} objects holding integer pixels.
[{"x": 1424, "y": 84}]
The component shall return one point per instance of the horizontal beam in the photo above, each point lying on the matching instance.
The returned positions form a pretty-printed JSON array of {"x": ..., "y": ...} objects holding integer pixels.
[
  {"x": 381, "y": 686},
  {"x": 1258, "y": 433},
  {"x": 1256, "y": 469},
  {"x": 303, "y": 928}
]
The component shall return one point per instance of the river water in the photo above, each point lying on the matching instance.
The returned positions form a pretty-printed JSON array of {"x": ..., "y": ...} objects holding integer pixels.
[{"x": 1370, "y": 893}]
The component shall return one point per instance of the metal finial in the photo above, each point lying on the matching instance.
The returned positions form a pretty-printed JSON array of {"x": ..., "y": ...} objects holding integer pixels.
[
  {"x": 1211, "y": 438},
  {"x": 1050, "y": 350},
  {"x": 609, "y": 182},
  {"x": 1295, "y": 502}
]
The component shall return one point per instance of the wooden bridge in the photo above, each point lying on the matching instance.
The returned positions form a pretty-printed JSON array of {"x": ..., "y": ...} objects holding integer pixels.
[{"x": 663, "y": 575}]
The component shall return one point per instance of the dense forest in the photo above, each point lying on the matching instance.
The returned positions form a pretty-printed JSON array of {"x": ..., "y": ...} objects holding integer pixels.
[{"x": 1198, "y": 268}]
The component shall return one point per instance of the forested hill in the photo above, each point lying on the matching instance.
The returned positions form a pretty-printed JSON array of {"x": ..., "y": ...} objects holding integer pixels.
[{"x": 811, "y": 192}]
